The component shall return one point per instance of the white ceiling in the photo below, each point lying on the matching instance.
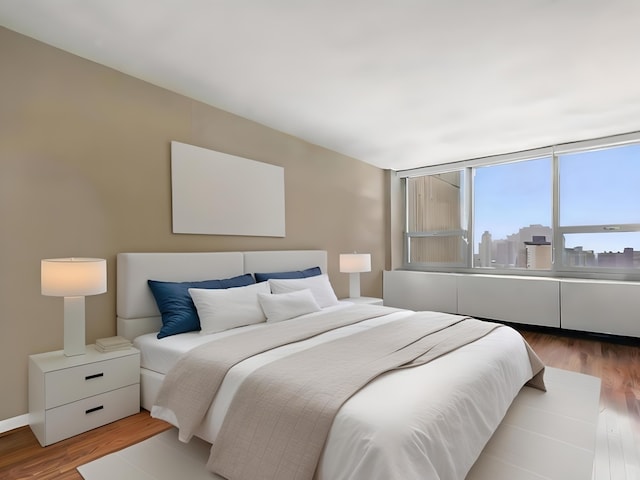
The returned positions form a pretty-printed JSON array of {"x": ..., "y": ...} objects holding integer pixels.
[{"x": 395, "y": 83}]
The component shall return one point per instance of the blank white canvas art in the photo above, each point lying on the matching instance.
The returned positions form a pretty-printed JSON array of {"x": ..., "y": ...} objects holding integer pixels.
[{"x": 216, "y": 193}]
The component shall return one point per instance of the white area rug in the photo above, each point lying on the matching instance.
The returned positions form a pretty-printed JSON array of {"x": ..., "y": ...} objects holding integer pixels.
[{"x": 548, "y": 435}]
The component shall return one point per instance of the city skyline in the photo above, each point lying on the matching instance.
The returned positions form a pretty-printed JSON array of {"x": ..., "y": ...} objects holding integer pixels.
[
  {"x": 530, "y": 247},
  {"x": 625, "y": 241}
]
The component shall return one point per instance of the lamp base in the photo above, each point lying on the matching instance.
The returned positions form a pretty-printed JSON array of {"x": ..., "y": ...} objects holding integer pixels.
[
  {"x": 354, "y": 285},
  {"x": 74, "y": 337}
]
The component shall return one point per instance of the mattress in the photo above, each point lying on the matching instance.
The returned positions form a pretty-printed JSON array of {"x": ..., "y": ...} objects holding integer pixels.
[{"x": 427, "y": 422}]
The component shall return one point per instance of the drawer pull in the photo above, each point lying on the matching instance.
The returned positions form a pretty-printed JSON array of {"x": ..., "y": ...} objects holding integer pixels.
[
  {"x": 94, "y": 409},
  {"x": 95, "y": 375}
]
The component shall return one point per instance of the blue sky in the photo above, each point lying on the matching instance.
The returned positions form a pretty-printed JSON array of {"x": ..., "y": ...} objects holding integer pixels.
[
  {"x": 512, "y": 196},
  {"x": 598, "y": 187}
]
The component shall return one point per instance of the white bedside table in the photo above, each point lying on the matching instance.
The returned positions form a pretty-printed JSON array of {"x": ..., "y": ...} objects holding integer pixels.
[
  {"x": 70, "y": 395},
  {"x": 364, "y": 300}
]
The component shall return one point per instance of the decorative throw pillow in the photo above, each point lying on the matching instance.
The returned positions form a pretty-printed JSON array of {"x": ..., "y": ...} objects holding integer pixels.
[
  {"x": 319, "y": 285},
  {"x": 309, "y": 272},
  {"x": 221, "y": 310},
  {"x": 284, "y": 306},
  {"x": 176, "y": 307}
]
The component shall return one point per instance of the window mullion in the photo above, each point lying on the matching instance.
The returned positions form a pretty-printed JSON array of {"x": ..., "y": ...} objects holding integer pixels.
[
  {"x": 557, "y": 244},
  {"x": 608, "y": 228},
  {"x": 468, "y": 203}
]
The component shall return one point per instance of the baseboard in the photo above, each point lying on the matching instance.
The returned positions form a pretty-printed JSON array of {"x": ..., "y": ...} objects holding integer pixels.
[
  {"x": 565, "y": 332},
  {"x": 14, "y": 422}
]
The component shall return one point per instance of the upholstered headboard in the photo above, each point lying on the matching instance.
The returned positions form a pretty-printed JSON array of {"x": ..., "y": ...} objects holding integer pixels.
[{"x": 136, "y": 308}]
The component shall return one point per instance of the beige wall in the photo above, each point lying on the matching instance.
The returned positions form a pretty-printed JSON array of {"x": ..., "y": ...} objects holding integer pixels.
[{"x": 84, "y": 171}]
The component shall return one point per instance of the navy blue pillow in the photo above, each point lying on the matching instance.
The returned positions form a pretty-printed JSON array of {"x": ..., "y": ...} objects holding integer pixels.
[
  {"x": 178, "y": 312},
  {"x": 309, "y": 272}
]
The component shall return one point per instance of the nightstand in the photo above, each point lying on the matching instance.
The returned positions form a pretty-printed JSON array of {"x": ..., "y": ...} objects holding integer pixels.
[
  {"x": 70, "y": 395},
  {"x": 364, "y": 300}
]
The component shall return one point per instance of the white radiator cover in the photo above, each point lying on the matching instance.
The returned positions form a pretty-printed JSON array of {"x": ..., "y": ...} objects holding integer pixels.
[
  {"x": 533, "y": 301},
  {"x": 421, "y": 290},
  {"x": 598, "y": 306},
  {"x": 601, "y": 306}
]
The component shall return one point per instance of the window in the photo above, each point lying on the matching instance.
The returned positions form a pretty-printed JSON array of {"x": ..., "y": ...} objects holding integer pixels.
[
  {"x": 554, "y": 211},
  {"x": 435, "y": 231},
  {"x": 513, "y": 215},
  {"x": 599, "y": 208}
]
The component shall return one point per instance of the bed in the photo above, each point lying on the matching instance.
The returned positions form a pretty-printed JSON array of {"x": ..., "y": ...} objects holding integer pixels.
[{"x": 429, "y": 421}]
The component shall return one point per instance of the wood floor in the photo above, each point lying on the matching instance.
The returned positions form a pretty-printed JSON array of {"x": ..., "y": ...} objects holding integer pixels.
[
  {"x": 21, "y": 457},
  {"x": 618, "y": 365}
]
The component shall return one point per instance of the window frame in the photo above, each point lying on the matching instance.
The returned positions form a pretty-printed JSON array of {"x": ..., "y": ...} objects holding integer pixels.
[{"x": 558, "y": 268}]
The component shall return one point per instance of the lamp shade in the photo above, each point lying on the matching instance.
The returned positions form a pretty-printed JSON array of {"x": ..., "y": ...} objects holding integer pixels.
[
  {"x": 355, "y": 262},
  {"x": 71, "y": 277}
]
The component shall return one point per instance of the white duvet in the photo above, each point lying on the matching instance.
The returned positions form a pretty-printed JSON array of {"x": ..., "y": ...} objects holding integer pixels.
[{"x": 427, "y": 422}]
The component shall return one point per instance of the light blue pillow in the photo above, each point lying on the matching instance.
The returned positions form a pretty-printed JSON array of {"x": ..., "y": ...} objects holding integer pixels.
[
  {"x": 309, "y": 272},
  {"x": 178, "y": 312}
]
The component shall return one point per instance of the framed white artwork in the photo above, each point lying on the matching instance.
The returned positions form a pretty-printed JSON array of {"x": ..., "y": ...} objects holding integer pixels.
[{"x": 220, "y": 194}]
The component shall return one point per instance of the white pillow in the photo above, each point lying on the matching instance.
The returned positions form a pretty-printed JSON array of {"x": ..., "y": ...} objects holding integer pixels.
[
  {"x": 284, "y": 306},
  {"x": 319, "y": 285},
  {"x": 225, "y": 308}
]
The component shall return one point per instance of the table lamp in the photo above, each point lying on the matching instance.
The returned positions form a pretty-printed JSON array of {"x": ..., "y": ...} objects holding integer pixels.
[
  {"x": 73, "y": 279},
  {"x": 354, "y": 264}
]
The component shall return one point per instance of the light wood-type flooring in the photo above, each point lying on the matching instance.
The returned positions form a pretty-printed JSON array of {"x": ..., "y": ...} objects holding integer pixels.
[{"x": 618, "y": 366}]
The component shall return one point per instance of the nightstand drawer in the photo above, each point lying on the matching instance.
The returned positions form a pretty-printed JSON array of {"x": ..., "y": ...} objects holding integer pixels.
[
  {"x": 70, "y": 384},
  {"x": 88, "y": 413}
]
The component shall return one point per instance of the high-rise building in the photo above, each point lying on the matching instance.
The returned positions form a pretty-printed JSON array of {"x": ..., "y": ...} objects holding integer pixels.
[
  {"x": 527, "y": 234},
  {"x": 538, "y": 253},
  {"x": 485, "y": 249},
  {"x": 622, "y": 259},
  {"x": 578, "y": 257},
  {"x": 504, "y": 253}
]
